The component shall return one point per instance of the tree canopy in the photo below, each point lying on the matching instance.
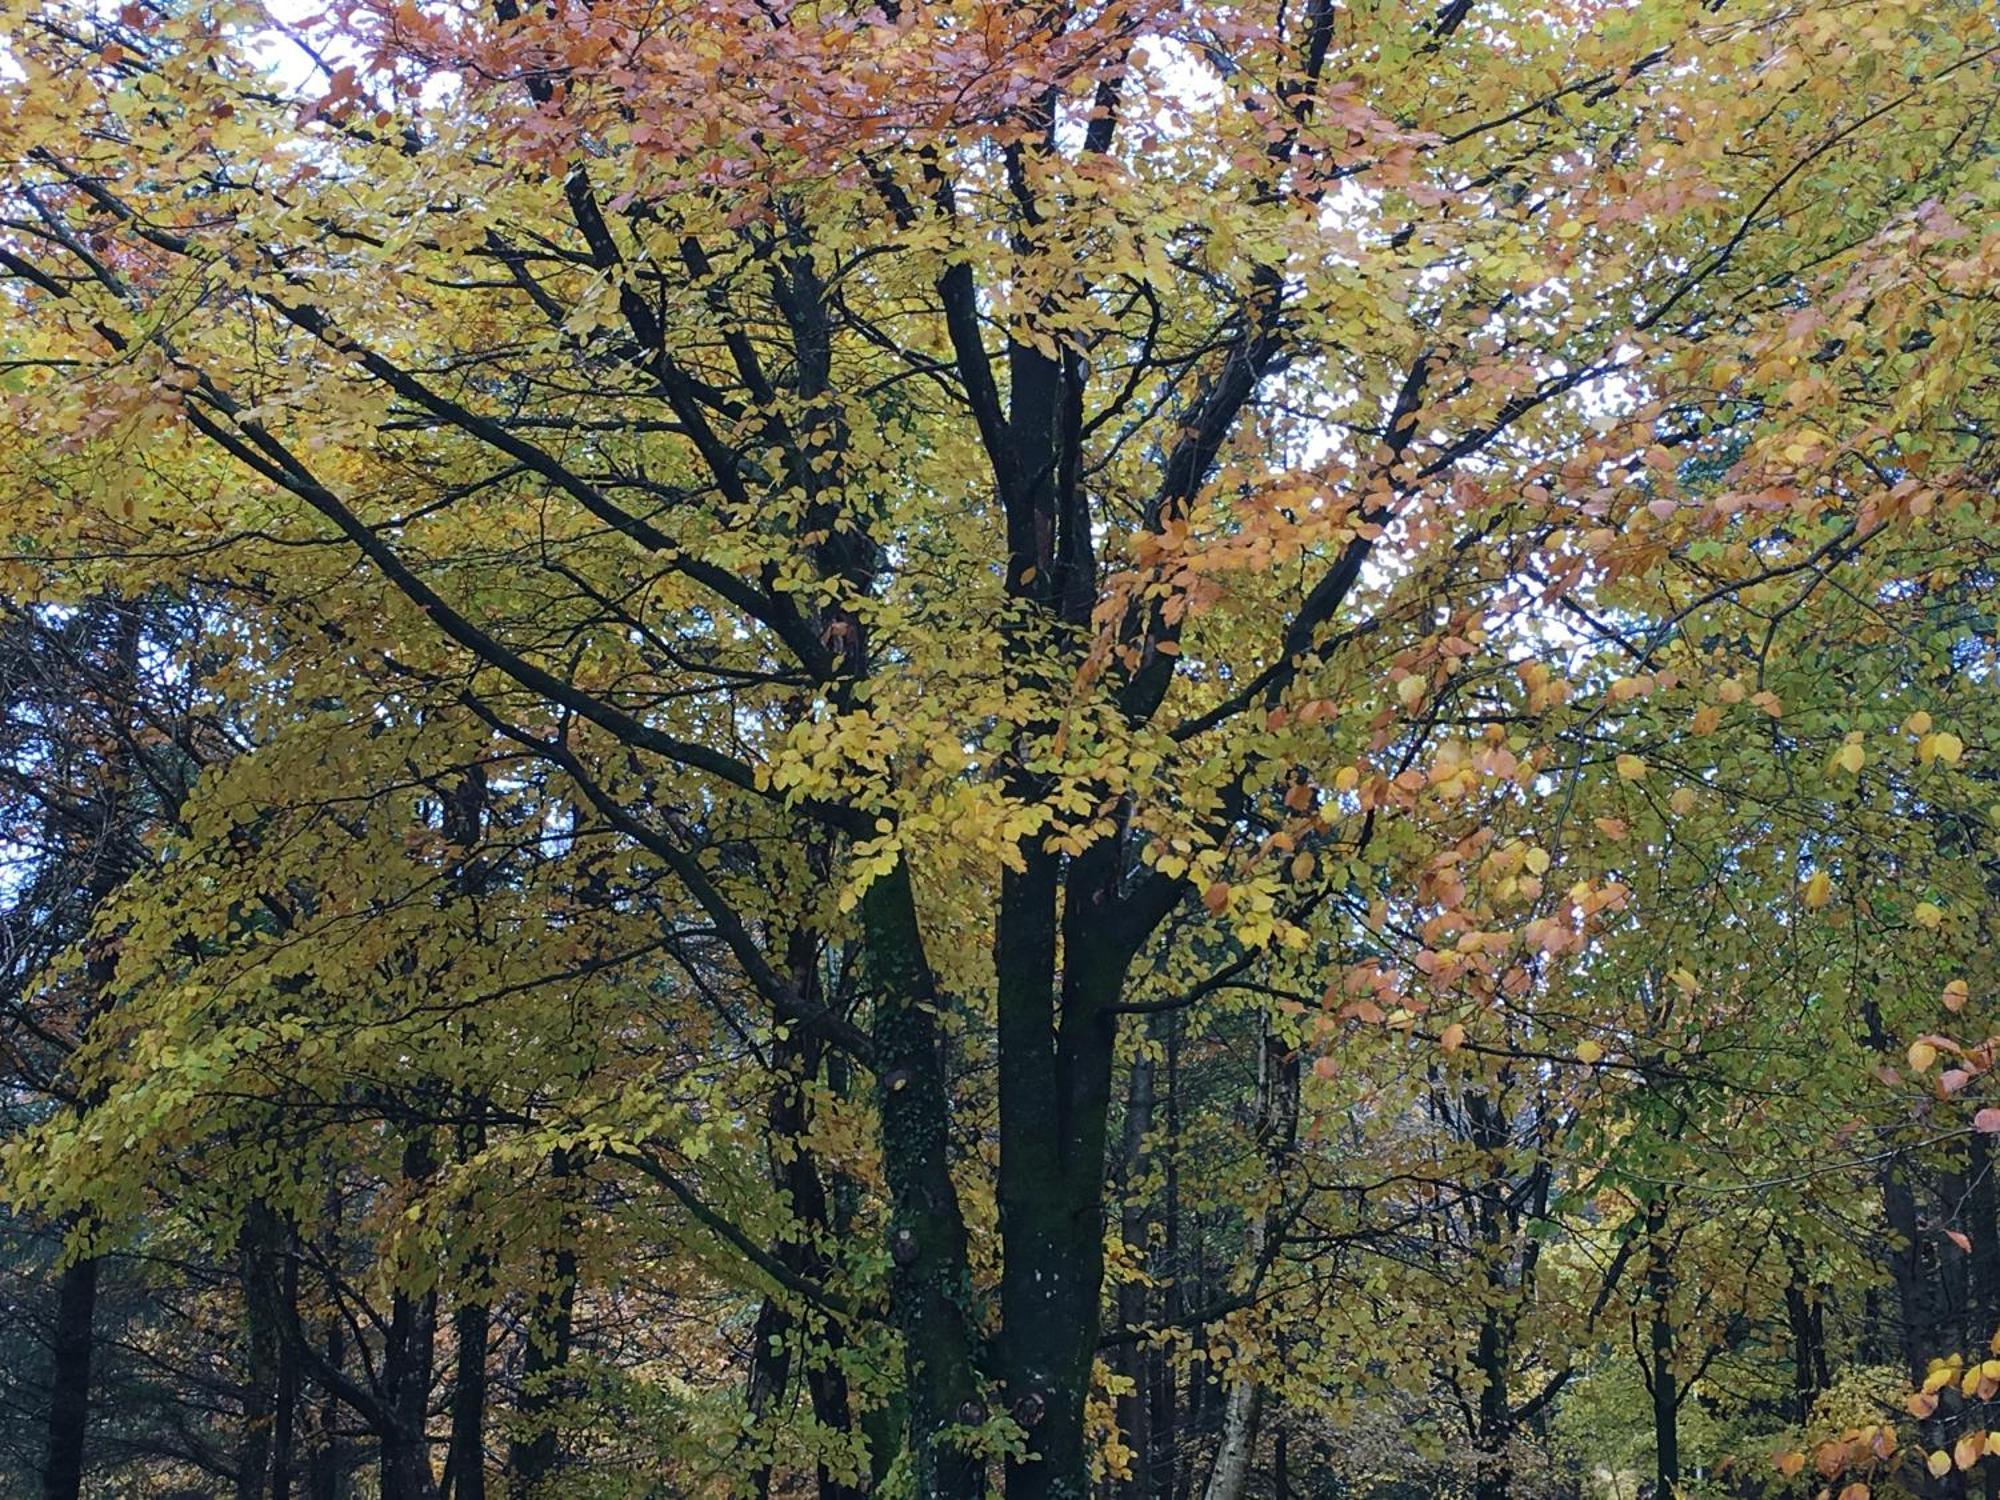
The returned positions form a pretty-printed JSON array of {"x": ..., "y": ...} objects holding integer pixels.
[{"x": 928, "y": 746}]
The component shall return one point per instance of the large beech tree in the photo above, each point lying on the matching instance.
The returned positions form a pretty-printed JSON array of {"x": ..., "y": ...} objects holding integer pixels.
[{"x": 1011, "y": 516}]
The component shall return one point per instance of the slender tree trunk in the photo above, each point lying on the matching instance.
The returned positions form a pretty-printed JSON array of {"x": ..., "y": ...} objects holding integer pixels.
[
  {"x": 1242, "y": 1410},
  {"x": 284, "y": 1428},
  {"x": 326, "y": 1471},
  {"x": 1163, "y": 1464},
  {"x": 326, "y": 1465},
  {"x": 796, "y": 1170},
  {"x": 408, "y": 1352},
  {"x": 1494, "y": 1354},
  {"x": 69, "y": 1388},
  {"x": 256, "y": 1256},
  {"x": 466, "y": 1465},
  {"x": 1201, "y": 1392},
  {"x": 535, "y": 1457},
  {"x": 464, "y": 820},
  {"x": 1806, "y": 1316},
  {"x": 1660, "y": 1373},
  {"x": 1277, "y": 1135},
  {"x": 1982, "y": 1227},
  {"x": 1135, "y": 1407},
  {"x": 770, "y": 1373}
]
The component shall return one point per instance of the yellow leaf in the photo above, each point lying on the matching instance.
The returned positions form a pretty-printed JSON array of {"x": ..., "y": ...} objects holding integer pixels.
[
  {"x": 1588, "y": 1052},
  {"x": 1939, "y": 1463},
  {"x": 1851, "y": 758},
  {"x": 1927, "y": 914},
  {"x": 1819, "y": 889},
  {"x": 1967, "y": 1450},
  {"x": 1956, "y": 994},
  {"x": 1452, "y": 1037},
  {"x": 1918, "y": 723},
  {"x": 1947, "y": 747},
  {"x": 1683, "y": 801},
  {"x": 1631, "y": 768},
  {"x": 1922, "y": 1055}
]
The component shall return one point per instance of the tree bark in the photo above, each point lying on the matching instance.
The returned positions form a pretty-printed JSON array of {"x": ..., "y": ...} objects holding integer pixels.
[
  {"x": 284, "y": 1429},
  {"x": 466, "y": 1465},
  {"x": 1056, "y": 1047},
  {"x": 258, "y": 1273},
  {"x": 408, "y": 1353},
  {"x": 1661, "y": 1377},
  {"x": 69, "y": 1387},
  {"x": 327, "y": 1467},
  {"x": 931, "y": 1280}
]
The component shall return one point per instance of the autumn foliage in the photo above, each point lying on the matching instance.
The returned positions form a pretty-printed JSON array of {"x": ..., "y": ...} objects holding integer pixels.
[{"x": 917, "y": 748}]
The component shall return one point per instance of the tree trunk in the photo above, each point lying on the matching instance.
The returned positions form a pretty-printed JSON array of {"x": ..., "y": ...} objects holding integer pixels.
[
  {"x": 1277, "y": 1135},
  {"x": 408, "y": 1352},
  {"x": 464, "y": 818},
  {"x": 256, "y": 1257},
  {"x": 1057, "y": 1043},
  {"x": 931, "y": 1283},
  {"x": 326, "y": 1470},
  {"x": 1135, "y": 1407},
  {"x": 1163, "y": 1463},
  {"x": 1806, "y": 1315},
  {"x": 284, "y": 1429},
  {"x": 466, "y": 1465},
  {"x": 1493, "y": 1356},
  {"x": 536, "y": 1456},
  {"x": 69, "y": 1388},
  {"x": 1982, "y": 1227},
  {"x": 1665, "y": 1383},
  {"x": 1242, "y": 1409}
]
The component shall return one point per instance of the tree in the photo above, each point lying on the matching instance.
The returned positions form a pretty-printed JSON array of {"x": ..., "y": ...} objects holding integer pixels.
[{"x": 1033, "y": 512}]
